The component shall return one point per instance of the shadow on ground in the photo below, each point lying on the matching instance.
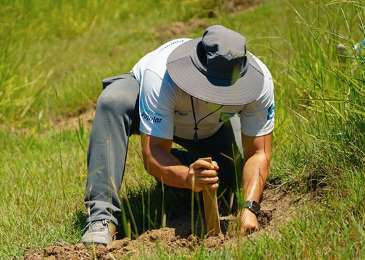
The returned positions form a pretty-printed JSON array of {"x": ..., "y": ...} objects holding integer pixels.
[{"x": 161, "y": 207}]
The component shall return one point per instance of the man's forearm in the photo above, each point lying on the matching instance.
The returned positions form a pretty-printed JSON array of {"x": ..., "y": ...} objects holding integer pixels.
[
  {"x": 167, "y": 169},
  {"x": 255, "y": 172}
]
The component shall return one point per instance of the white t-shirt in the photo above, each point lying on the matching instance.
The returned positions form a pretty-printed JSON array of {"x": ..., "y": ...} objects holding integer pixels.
[{"x": 166, "y": 111}]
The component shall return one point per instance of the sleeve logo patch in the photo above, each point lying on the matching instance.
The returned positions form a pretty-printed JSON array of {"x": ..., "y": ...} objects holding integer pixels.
[
  {"x": 153, "y": 119},
  {"x": 271, "y": 112}
]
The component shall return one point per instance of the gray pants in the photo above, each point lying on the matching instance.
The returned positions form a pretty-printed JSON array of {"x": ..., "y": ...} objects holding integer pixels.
[{"x": 116, "y": 119}]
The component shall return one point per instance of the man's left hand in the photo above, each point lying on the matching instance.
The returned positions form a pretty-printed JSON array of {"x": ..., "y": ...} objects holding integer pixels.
[{"x": 249, "y": 222}]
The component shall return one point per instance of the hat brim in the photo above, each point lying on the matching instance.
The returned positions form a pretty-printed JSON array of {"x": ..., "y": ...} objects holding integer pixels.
[{"x": 187, "y": 77}]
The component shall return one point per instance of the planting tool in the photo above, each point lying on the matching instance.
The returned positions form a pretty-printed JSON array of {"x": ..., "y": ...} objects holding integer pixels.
[{"x": 211, "y": 211}]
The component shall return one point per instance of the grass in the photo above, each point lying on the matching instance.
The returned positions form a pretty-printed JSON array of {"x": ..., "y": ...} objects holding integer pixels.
[{"x": 54, "y": 54}]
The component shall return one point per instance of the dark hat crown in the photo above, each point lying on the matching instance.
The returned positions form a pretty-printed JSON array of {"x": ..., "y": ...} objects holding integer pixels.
[{"x": 222, "y": 52}]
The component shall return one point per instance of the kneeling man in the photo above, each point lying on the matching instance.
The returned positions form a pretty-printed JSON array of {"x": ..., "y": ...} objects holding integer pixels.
[{"x": 208, "y": 95}]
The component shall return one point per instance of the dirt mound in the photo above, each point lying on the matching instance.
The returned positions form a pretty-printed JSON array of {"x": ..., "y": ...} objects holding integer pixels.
[{"x": 277, "y": 208}]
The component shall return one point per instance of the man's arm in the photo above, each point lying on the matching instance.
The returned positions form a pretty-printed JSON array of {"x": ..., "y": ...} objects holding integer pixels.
[
  {"x": 255, "y": 171},
  {"x": 166, "y": 168},
  {"x": 161, "y": 164}
]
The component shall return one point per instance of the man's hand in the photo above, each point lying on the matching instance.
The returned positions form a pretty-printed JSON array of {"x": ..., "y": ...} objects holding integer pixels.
[
  {"x": 248, "y": 221},
  {"x": 203, "y": 175}
]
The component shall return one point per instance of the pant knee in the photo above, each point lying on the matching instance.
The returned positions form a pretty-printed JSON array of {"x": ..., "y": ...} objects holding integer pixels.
[{"x": 117, "y": 103}]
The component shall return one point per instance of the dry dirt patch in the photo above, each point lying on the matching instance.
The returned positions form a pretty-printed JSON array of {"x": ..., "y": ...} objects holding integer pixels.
[
  {"x": 84, "y": 118},
  {"x": 239, "y": 5},
  {"x": 277, "y": 208},
  {"x": 181, "y": 29}
]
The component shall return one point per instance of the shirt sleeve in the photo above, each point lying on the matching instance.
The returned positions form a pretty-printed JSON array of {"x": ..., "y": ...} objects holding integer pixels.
[
  {"x": 257, "y": 118},
  {"x": 156, "y": 106}
]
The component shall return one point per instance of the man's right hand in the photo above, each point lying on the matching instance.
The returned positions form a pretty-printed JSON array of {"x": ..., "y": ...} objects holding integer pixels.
[{"x": 203, "y": 174}]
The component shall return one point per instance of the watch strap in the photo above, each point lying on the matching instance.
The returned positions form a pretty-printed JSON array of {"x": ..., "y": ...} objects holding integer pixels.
[{"x": 253, "y": 206}]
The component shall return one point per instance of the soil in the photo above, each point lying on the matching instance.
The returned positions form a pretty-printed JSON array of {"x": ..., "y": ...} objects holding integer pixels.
[{"x": 277, "y": 208}]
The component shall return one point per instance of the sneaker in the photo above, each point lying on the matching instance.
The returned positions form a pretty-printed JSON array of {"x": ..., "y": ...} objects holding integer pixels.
[{"x": 99, "y": 232}]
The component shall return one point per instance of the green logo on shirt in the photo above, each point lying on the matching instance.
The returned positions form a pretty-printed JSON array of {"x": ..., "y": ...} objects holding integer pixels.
[{"x": 225, "y": 116}]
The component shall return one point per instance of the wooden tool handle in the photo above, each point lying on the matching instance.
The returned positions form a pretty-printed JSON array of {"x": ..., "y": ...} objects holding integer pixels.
[
  {"x": 211, "y": 209},
  {"x": 211, "y": 213}
]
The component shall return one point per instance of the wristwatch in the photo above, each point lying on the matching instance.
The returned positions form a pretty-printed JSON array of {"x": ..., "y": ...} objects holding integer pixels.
[{"x": 253, "y": 206}]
